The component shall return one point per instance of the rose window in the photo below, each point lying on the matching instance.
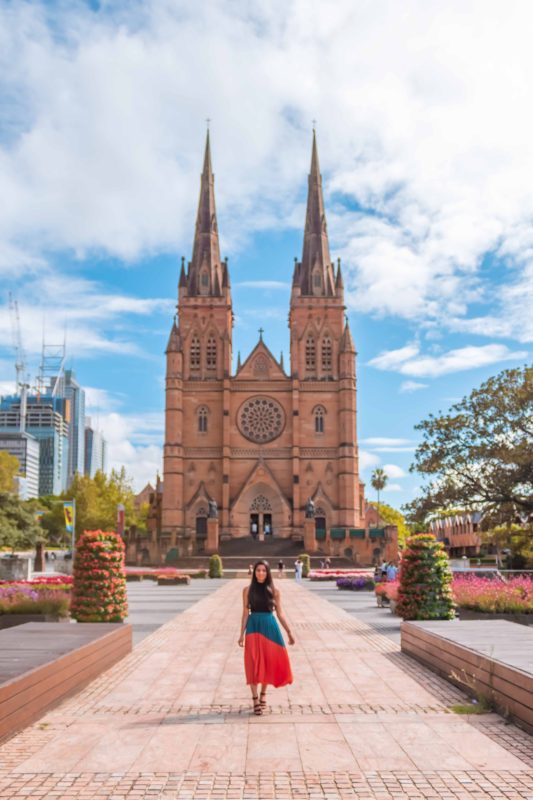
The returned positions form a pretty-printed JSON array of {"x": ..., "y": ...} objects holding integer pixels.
[{"x": 261, "y": 419}]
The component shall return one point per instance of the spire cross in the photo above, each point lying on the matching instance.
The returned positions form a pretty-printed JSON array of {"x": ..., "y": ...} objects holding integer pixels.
[
  {"x": 314, "y": 123},
  {"x": 261, "y": 332},
  {"x": 208, "y": 122}
]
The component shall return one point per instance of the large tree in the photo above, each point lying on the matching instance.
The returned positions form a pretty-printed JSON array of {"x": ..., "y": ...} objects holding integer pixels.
[
  {"x": 391, "y": 516},
  {"x": 378, "y": 482},
  {"x": 478, "y": 455},
  {"x": 97, "y": 500},
  {"x": 19, "y": 529}
]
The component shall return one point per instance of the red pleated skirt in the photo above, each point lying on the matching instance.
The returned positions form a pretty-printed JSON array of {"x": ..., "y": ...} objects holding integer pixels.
[{"x": 265, "y": 656}]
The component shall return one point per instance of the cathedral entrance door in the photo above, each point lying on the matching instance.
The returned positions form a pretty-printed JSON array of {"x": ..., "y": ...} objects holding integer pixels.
[{"x": 267, "y": 524}]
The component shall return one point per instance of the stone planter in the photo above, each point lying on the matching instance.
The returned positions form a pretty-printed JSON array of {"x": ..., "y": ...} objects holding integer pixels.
[
  {"x": 521, "y": 619},
  {"x": 11, "y": 620},
  {"x": 180, "y": 580}
]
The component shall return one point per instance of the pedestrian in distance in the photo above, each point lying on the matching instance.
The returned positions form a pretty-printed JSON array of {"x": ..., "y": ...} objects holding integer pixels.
[
  {"x": 392, "y": 571},
  {"x": 281, "y": 567},
  {"x": 298, "y": 570},
  {"x": 266, "y": 661}
]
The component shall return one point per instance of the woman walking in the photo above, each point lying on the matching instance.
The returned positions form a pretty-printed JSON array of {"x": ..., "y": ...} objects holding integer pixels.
[{"x": 266, "y": 660}]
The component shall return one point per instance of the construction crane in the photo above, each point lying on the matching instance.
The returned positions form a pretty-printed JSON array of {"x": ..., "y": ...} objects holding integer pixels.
[{"x": 20, "y": 356}]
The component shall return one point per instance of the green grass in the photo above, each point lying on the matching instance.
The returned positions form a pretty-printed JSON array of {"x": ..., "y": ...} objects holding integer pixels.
[{"x": 471, "y": 708}]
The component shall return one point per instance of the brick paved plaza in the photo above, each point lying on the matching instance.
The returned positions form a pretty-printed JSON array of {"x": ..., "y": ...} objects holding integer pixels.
[{"x": 173, "y": 720}]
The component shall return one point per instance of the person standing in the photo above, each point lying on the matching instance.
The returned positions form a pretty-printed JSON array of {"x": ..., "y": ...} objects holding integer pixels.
[
  {"x": 254, "y": 530},
  {"x": 281, "y": 567},
  {"x": 392, "y": 571},
  {"x": 266, "y": 660},
  {"x": 298, "y": 570}
]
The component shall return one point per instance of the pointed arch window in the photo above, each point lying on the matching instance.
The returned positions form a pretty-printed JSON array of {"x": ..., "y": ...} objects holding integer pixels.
[
  {"x": 211, "y": 353},
  {"x": 204, "y": 281},
  {"x": 310, "y": 354},
  {"x": 202, "y": 419},
  {"x": 195, "y": 353},
  {"x": 327, "y": 354},
  {"x": 320, "y": 413},
  {"x": 317, "y": 281}
]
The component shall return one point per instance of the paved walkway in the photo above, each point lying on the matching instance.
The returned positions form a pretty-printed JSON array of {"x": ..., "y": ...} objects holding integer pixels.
[{"x": 172, "y": 721}]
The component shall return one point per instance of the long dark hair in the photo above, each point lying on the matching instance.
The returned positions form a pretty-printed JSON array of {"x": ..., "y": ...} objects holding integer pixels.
[{"x": 260, "y": 593}]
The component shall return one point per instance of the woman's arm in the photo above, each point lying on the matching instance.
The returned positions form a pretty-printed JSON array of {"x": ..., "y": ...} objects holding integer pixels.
[
  {"x": 279, "y": 612},
  {"x": 245, "y": 613}
]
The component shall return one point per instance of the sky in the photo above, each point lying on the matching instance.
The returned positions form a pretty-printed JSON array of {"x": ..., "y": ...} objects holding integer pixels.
[{"x": 424, "y": 120}]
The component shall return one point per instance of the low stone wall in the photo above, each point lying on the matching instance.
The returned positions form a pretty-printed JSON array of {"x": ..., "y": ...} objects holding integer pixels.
[
  {"x": 15, "y": 568},
  {"x": 494, "y": 659}
]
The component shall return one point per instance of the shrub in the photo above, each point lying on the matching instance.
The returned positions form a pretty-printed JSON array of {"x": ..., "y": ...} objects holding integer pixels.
[
  {"x": 425, "y": 588},
  {"x": 356, "y": 583},
  {"x": 215, "y": 566},
  {"x": 307, "y": 564},
  {"x": 99, "y": 589},
  {"x": 387, "y": 589},
  {"x": 173, "y": 580}
]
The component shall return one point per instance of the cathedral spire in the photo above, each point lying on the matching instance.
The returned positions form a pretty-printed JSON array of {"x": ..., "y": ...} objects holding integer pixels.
[
  {"x": 316, "y": 275},
  {"x": 205, "y": 270}
]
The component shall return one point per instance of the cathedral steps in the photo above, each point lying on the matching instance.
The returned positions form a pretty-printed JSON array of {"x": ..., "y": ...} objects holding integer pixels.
[{"x": 242, "y": 562}]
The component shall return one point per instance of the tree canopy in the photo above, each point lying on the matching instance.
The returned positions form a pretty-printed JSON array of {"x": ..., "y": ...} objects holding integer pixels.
[
  {"x": 391, "y": 516},
  {"x": 9, "y": 467},
  {"x": 478, "y": 455},
  {"x": 96, "y": 504},
  {"x": 19, "y": 529}
]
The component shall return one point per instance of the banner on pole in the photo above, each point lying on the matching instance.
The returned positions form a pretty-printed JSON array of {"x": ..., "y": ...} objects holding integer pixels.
[{"x": 68, "y": 508}]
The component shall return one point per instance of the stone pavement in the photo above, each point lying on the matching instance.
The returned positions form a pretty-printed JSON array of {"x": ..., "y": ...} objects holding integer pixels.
[{"x": 172, "y": 720}]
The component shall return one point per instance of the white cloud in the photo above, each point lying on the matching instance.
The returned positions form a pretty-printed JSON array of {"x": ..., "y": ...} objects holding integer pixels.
[
  {"x": 367, "y": 460},
  {"x": 407, "y": 387},
  {"x": 264, "y": 284},
  {"x": 409, "y": 361},
  {"x": 394, "y": 471},
  {"x": 393, "y": 487},
  {"x": 134, "y": 441},
  {"x": 383, "y": 441},
  {"x": 101, "y": 146}
]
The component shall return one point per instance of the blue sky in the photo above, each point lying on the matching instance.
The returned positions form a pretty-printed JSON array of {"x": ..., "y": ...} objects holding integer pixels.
[{"x": 424, "y": 125}]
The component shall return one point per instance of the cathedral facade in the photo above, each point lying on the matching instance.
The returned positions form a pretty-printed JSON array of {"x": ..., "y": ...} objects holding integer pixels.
[{"x": 263, "y": 440}]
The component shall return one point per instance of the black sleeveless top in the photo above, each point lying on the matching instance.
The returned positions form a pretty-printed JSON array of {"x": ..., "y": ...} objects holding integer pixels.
[{"x": 260, "y": 604}]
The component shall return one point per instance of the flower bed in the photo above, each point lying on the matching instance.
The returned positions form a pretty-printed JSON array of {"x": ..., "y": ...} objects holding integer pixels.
[
  {"x": 514, "y": 596},
  {"x": 18, "y": 599},
  {"x": 49, "y": 581},
  {"x": 133, "y": 574},
  {"x": 99, "y": 589},
  {"x": 173, "y": 580},
  {"x": 335, "y": 574},
  {"x": 387, "y": 590},
  {"x": 356, "y": 583}
]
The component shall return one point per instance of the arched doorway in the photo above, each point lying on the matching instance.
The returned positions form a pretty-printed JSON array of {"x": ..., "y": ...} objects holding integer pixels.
[
  {"x": 261, "y": 523},
  {"x": 320, "y": 519},
  {"x": 201, "y": 529}
]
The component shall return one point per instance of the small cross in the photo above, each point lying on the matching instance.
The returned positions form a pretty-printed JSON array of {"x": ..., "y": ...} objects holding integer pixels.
[
  {"x": 314, "y": 123},
  {"x": 261, "y": 332},
  {"x": 208, "y": 120}
]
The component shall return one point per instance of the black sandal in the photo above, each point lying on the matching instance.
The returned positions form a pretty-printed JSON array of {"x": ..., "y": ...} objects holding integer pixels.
[
  {"x": 262, "y": 699},
  {"x": 258, "y": 710}
]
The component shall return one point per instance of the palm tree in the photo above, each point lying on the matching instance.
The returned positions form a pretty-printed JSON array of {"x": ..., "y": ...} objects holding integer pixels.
[{"x": 378, "y": 482}]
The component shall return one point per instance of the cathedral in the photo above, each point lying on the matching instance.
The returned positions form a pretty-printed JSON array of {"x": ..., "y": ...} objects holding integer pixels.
[{"x": 259, "y": 444}]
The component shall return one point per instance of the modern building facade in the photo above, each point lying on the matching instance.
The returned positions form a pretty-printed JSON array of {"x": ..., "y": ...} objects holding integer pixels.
[
  {"x": 460, "y": 533},
  {"x": 94, "y": 450},
  {"x": 263, "y": 441},
  {"x": 74, "y": 393},
  {"x": 26, "y": 449},
  {"x": 47, "y": 419}
]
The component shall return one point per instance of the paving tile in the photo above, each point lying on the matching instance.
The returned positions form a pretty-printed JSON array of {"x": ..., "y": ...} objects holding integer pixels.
[{"x": 173, "y": 720}]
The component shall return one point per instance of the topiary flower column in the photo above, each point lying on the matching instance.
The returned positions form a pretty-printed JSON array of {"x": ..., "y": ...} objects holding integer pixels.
[
  {"x": 425, "y": 588},
  {"x": 99, "y": 587}
]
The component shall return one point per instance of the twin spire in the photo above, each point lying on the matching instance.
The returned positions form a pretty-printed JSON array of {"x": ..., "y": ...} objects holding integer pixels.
[{"x": 207, "y": 275}]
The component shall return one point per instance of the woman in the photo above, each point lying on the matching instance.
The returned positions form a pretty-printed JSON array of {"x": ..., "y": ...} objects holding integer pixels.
[{"x": 266, "y": 660}]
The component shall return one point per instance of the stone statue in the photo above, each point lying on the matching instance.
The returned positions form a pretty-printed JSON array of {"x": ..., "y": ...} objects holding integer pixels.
[
  {"x": 309, "y": 509},
  {"x": 213, "y": 509}
]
